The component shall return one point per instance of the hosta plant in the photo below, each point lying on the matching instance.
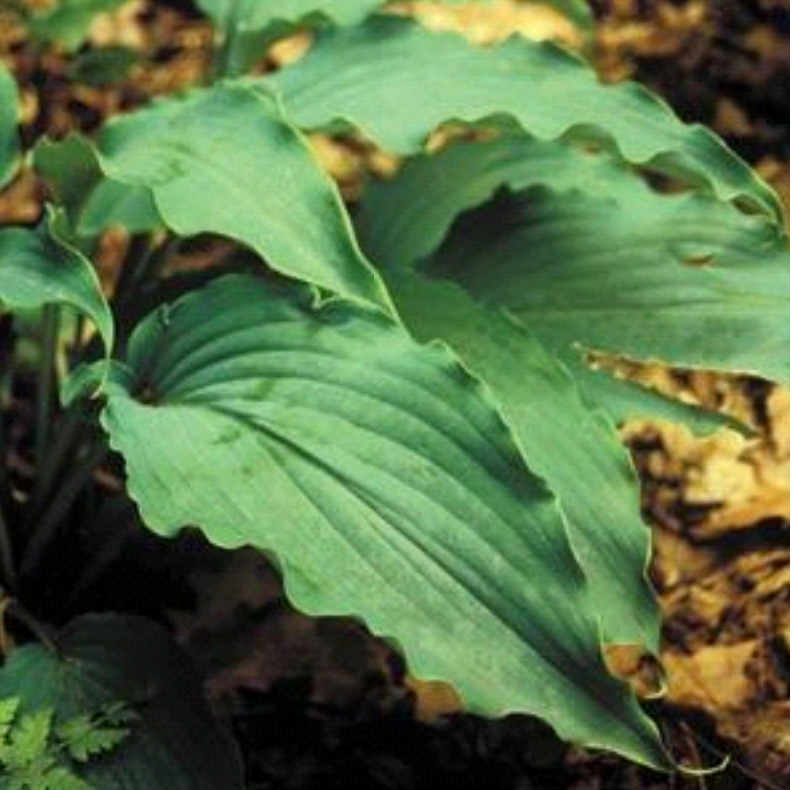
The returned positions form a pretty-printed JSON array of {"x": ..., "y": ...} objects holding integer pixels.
[{"x": 393, "y": 398}]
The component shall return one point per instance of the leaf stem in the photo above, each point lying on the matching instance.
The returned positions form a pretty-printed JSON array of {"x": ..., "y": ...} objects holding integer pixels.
[
  {"x": 223, "y": 55},
  {"x": 146, "y": 267},
  {"x": 13, "y": 608},
  {"x": 51, "y": 465},
  {"x": 47, "y": 527},
  {"x": 7, "y": 566},
  {"x": 50, "y": 321}
]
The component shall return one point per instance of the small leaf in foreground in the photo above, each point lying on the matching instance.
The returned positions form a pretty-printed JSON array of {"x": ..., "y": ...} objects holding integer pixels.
[{"x": 171, "y": 742}]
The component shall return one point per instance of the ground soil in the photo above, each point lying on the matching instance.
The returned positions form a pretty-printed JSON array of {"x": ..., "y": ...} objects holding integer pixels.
[{"x": 322, "y": 704}]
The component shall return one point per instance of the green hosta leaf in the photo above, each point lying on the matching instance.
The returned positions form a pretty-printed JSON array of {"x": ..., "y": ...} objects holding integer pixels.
[
  {"x": 404, "y": 219},
  {"x": 38, "y": 268},
  {"x": 573, "y": 448},
  {"x": 577, "y": 11},
  {"x": 247, "y": 15},
  {"x": 103, "y": 65},
  {"x": 9, "y": 120},
  {"x": 92, "y": 201},
  {"x": 385, "y": 481},
  {"x": 224, "y": 160},
  {"x": 68, "y": 21},
  {"x": 172, "y": 742},
  {"x": 368, "y": 76},
  {"x": 682, "y": 279}
]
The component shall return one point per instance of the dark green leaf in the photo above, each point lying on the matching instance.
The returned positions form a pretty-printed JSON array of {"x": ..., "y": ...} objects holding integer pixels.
[
  {"x": 172, "y": 744},
  {"x": 103, "y": 65}
]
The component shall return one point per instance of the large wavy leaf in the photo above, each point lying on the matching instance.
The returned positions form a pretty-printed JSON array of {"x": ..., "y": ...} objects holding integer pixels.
[
  {"x": 386, "y": 482},
  {"x": 404, "y": 219},
  {"x": 225, "y": 160},
  {"x": 108, "y": 659},
  {"x": 9, "y": 120},
  {"x": 37, "y": 267},
  {"x": 563, "y": 440},
  {"x": 682, "y": 279},
  {"x": 398, "y": 82}
]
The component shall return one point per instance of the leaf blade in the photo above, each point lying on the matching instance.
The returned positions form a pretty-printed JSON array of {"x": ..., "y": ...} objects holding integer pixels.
[
  {"x": 572, "y": 447},
  {"x": 38, "y": 267},
  {"x": 403, "y": 220},
  {"x": 366, "y": 76},
  {"x": 225, "y": 160},
  {"x": 679, "y": 279},
  {"x": 378, "y": 473},
  {"x": 9, "y": 120}
]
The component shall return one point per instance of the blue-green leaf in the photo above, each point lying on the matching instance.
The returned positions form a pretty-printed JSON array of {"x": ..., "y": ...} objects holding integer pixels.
[
  {"x": 9, "y": 121},
  {"x": 225, "y": 160},
  {"x": 398, "y": 82},
  {"x": 572, "y": 447},
  {"x": 38, "y": 267},
  {"x": 385, "y": 480}
]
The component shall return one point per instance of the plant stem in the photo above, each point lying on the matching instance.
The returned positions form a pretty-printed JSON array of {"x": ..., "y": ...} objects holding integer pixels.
[
  {"x": 144, "y": 269},
  {"x": 7, "y": 566},
  {"x": 223, "y": 55},
  {"x": 49, "y": 467},
  {"x": 9, "y": 605},
  {"x": 51, "y": 519},
  {"x": 50, "y": 320}
]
